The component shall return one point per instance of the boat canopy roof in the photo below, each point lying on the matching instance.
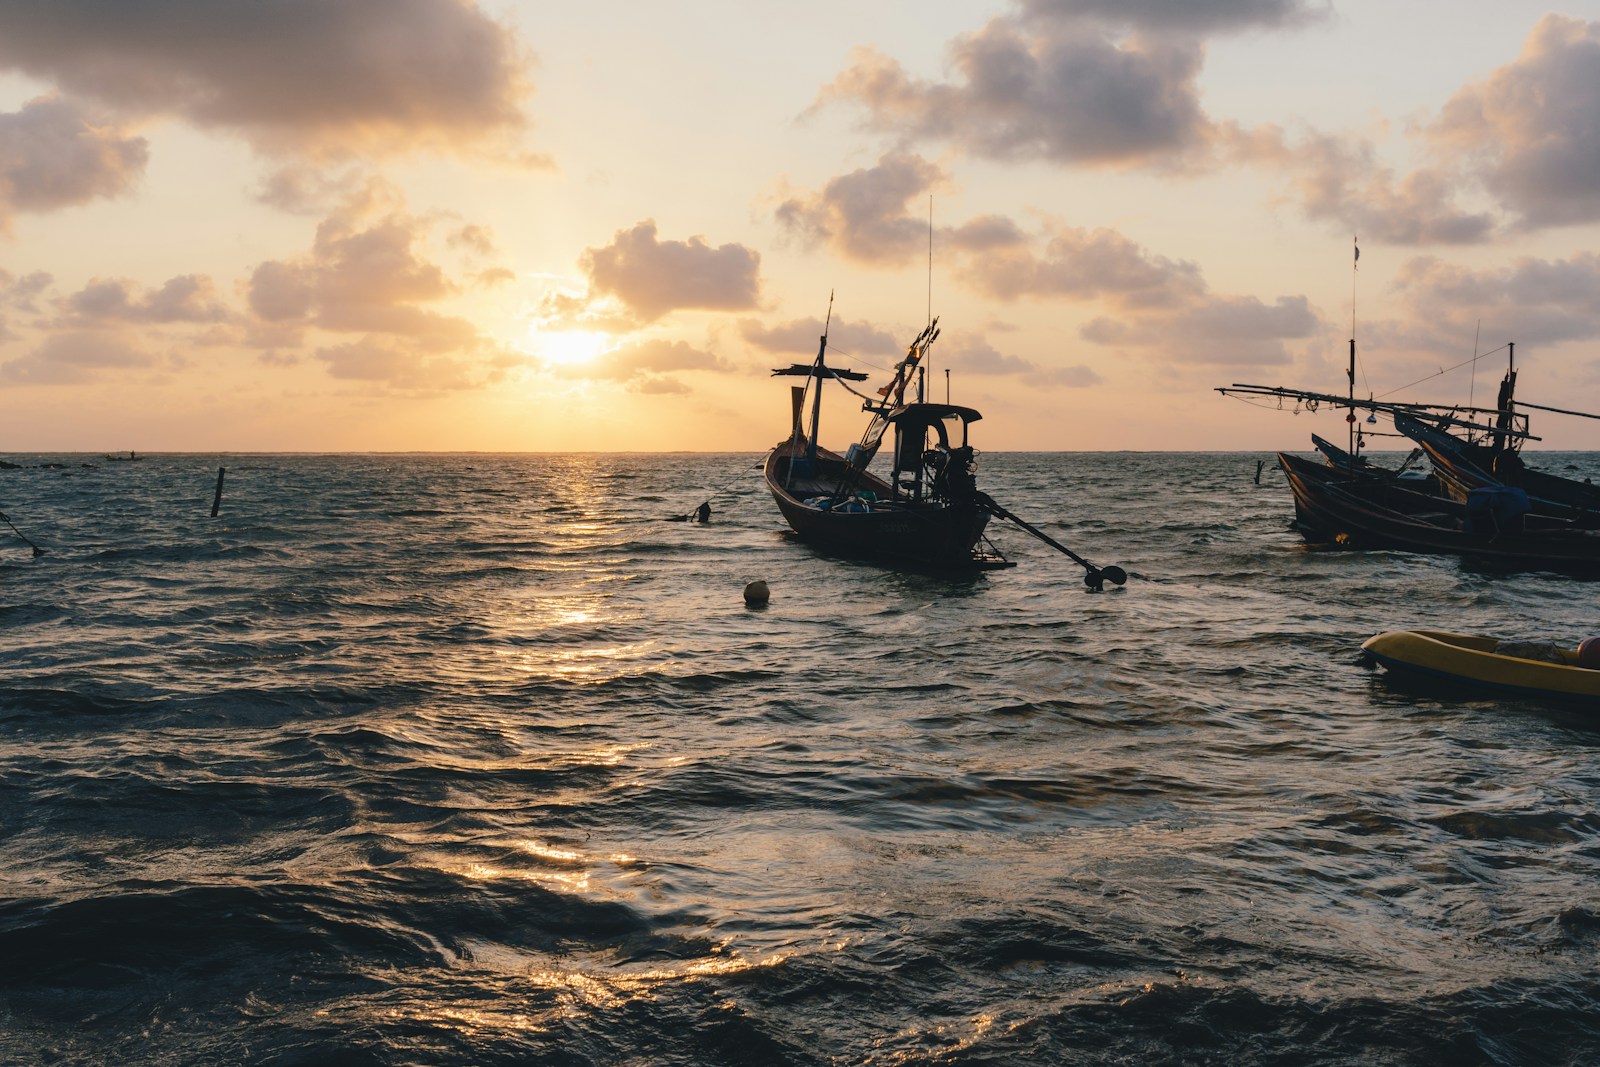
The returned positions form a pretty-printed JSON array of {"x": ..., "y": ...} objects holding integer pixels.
[
  {"x": 816, "y": 370},
  {"x": 928, "y": 414}
]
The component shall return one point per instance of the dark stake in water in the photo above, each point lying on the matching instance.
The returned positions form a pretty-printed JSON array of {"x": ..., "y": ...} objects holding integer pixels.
[{"x": 475, "y": 760}]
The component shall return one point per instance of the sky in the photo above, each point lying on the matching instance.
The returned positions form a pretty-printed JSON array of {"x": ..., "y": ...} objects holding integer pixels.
[{"x": 504, "y": 225}]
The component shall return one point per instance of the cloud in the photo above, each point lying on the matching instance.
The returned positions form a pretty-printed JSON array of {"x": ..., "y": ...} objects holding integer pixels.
[
  {"x": 367, "y": 276},
  {"x": 396, "y": 365},
  {"x": 494, "y": 276},
  {"x": 980, "y": 357},
  {"x": 877, "y": 215},
  {"x": 73, "y": 359},
  {"x": 650, "y": 278},
  {"x": 474, "y": 238},
  {"x": 646, "y": 366},
  {"x": 364, "y": 271},
  {"x": 1115, "y": 83},
  {"x": 1528, "y": 135},
  {"x": 360, "y": 277},
  {"x": 1053, "y": 89},
  {"x": 659, "y": 387},
  {"x": 1337, "y": 178},
  {"x": 22, "y": 293},
  {"x": 187, "y": 298},
  {"x": 798, "y": 337},
  {"x": 305, "y": 76},
  {"x": 645, "y": 359},
  {"x": 53, "y": 155},
  {"x": 1182, "y": 16},
  {"x": 1157, "y": 307},
  {"x": 1341, "y": 183},
  {"x": 1081, "y": 264},
  {"x": 301, "y": 189},
  {"x": 283, "y": 292},
  {"x": 1531, "y": 130},
  {"x": 977, "y": 356},
  {"x": 1534, "y": 301},
  {"x": 1214, "y": 331},
  {"x": 1076, "y": 376},
  {"x": 866, "y": 215},
  {"x": 986, "y": 233}
]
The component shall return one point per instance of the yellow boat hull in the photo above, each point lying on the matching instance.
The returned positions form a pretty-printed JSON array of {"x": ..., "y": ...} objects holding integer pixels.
[{"x": 1473, "y": 661}]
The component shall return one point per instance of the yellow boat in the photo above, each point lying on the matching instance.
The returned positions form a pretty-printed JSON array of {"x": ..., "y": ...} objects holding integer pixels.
[{"x": 1481, "y": 662}]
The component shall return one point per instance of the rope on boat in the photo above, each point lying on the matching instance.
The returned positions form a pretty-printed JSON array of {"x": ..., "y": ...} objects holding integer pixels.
[
  {"x": 702, "y": 511},
  {"x": 37, "y": 551}
]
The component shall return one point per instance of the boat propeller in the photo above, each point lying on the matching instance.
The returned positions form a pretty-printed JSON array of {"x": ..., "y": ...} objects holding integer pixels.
[{"x": 1094, "y": 577}]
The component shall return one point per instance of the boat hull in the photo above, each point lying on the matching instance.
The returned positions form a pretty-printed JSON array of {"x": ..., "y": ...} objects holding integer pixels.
[
  {"x": 1462, "y": 467},
  {"x": 924, "y": 534},
  {"x": 1461, "y": 659},
  {"x": 1357, "y": 513}
]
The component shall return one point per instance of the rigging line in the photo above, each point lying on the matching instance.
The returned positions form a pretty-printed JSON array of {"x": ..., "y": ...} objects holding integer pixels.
[
  {"x": 852, "y": 392},
  {"x": 1264, "y": 407},
  {"x": 862, "y": 359},
  {"x": 1443, "y": 371},
  {"x": 723, "y": 489},
  {"x": 1472, "y": 386}
]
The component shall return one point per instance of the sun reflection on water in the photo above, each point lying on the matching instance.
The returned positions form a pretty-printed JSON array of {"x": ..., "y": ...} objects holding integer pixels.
[
  {"x": 572, "y": 664},
  {"x": 606, "y": 987}
]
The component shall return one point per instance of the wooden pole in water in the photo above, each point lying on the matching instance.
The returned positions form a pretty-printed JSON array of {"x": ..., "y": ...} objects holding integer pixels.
[{"x": 216, "y": 501}]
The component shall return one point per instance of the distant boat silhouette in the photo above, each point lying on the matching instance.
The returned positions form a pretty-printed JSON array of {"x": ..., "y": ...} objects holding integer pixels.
[{"x": 118, "y": 457}]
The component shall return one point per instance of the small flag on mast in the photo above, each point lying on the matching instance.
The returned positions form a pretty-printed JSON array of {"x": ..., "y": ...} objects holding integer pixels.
[{"x": 1356, "y": 242}]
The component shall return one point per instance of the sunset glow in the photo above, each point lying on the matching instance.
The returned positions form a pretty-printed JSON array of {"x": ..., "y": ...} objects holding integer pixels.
[
  {"x": 456, "y": 205},
  {"x": 568, "y": 347}
]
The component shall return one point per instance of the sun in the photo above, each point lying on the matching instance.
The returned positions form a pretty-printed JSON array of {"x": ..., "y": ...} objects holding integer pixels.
[{"x": 569, "y": 347}]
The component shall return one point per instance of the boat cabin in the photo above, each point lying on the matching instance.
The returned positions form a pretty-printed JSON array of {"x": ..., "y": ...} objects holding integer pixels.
[{"x": 932, "y": 458}]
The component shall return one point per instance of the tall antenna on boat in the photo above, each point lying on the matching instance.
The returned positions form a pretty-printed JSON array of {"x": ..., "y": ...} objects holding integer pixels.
[
  {"x": 930, "y": 258},
  {"x": 930, "y": 288},
  {"x": 1472, "y": 383},
  {"x": 1350, "y": 416}
]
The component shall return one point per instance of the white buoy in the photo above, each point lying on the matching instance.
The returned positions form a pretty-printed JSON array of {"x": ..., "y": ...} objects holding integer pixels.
[{"x": 757, "y": 593}]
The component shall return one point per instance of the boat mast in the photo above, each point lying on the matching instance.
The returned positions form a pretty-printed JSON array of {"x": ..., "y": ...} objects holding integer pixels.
[
  {"x": 1350, "y": 416},
  {"x": 1503, "y": 421},
  {"x": 816, "y": 401}
]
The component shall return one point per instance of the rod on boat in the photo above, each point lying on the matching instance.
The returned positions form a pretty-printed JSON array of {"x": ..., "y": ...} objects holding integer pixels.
[
  {"x": 1441, "y": 414},
  {"x": 1094, "y": 577},
  {"x": 1558, "y": 411},
  {"x": 37, "y": 551}
]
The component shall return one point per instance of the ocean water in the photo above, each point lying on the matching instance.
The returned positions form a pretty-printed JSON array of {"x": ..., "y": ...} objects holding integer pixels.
[{"x": 478, "y": 760}]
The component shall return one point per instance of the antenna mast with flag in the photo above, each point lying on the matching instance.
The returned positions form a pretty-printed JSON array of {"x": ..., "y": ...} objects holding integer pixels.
[{"x": 1350, "y": 416}]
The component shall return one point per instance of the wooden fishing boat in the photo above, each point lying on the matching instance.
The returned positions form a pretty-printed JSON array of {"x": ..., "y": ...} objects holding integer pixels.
[
  {"x": 837, "y": 504},
  {"x": 1485, "y": 662},
  {"x": 928, "y": 511},
  {"x": 1494, "y": 527}
]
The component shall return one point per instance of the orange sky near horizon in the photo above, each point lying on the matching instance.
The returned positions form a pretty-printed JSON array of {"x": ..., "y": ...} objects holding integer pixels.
[{"x": 441, "y": 225}]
